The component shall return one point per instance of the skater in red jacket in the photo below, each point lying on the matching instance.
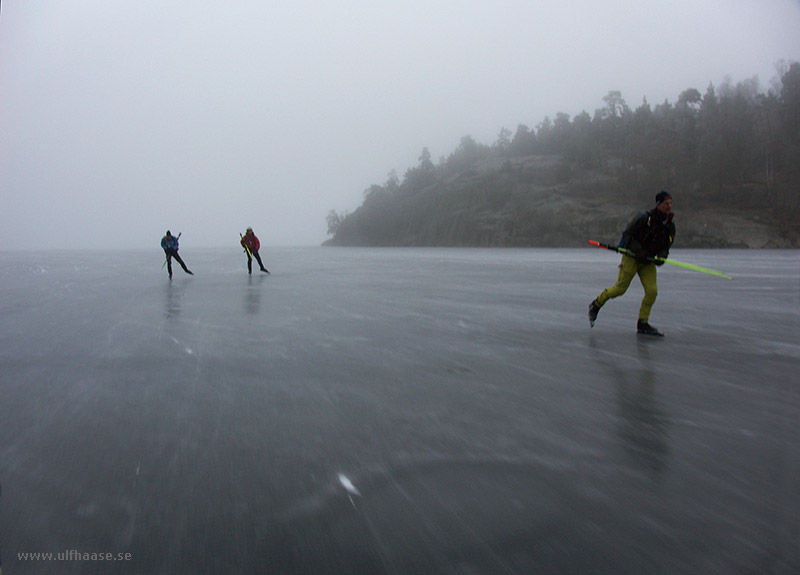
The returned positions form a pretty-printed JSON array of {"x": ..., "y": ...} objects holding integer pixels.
[{"x": 251, "y": 246}]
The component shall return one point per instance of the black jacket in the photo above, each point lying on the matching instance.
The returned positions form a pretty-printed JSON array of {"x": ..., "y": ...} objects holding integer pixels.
[{"x": 649, "y": 234}]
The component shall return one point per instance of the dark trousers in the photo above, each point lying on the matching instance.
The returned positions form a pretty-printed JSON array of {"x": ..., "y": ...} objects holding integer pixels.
[
  {"x": 250, "y": 261},
  {"x": 174, "y": 254}
]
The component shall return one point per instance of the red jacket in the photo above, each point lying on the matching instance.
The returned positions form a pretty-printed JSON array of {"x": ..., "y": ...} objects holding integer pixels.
[{"x": 251, "y": 242}]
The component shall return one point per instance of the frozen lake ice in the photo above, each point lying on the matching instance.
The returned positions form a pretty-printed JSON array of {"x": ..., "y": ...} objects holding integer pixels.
[{"x": 397, "y": 411}]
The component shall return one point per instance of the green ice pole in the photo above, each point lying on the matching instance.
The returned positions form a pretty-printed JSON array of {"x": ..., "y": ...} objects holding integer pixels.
[
  {"x": 666, "y": 261},
  {"x": 246, "y": 249}
]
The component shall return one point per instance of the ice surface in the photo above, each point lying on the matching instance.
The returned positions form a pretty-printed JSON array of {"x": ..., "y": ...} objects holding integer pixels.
[{"x": 222, "y": 423}]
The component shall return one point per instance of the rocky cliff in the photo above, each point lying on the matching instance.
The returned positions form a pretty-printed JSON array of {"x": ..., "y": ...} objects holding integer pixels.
[{"x": 542, "y": 201}]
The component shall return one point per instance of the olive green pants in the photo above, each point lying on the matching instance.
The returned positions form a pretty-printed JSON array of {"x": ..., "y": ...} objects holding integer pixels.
[{"x": 628, "y": 268}]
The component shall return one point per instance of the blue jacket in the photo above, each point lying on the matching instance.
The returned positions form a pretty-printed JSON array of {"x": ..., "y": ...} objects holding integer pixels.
[{"x": 169, "y": 243}]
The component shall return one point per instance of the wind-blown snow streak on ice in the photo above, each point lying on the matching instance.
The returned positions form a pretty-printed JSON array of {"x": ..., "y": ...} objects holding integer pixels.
[
  {"x": 186, "y": 349},
  {"x": 348, "y": 485}
]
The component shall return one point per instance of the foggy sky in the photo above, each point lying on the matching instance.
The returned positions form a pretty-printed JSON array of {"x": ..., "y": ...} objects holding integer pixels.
[{"x": 121, "y": 119}]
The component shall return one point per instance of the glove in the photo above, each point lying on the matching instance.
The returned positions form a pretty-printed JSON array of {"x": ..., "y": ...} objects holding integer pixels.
[{"x": 659, "y": 262}]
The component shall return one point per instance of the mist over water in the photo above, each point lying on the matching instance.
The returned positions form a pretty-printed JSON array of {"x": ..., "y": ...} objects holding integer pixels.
[
  {"x": 397, "y": 410},
  {"x": 123, "y": 119}
]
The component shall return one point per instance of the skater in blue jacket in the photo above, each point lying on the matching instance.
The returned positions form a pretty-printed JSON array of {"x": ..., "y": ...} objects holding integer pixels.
[{"x": 169, "y": 244}]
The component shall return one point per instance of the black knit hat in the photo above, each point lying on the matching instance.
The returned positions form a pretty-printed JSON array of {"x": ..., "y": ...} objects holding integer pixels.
[{"x": 662, "y": 196}]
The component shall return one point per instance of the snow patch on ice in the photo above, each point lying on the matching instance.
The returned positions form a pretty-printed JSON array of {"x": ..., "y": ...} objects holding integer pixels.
[{"x": 348, "y": 485}]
